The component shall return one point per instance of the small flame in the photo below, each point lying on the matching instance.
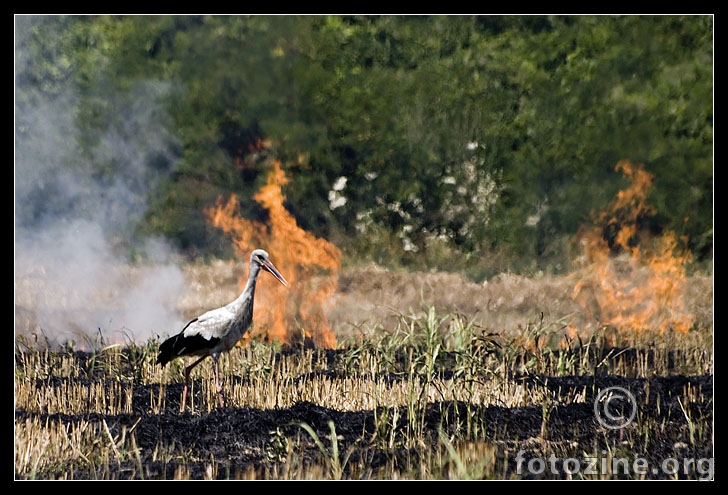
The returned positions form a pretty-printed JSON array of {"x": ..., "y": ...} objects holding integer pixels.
[
  {"x": 636, "y": 281},
  {"x": 310, "y": 265}
]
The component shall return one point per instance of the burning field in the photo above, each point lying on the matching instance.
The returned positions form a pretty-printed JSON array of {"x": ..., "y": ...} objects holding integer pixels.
[
  {"x": 637, "y": 280},
  {"x": 627, "y": 282},
  {"x": 367, "y": 373},
  {"x": 311, "y": 265}
]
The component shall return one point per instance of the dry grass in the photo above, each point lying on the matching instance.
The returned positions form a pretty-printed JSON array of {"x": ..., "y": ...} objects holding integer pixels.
[
  {"x": 369, "y": 299},
  {"x": 506, "y": 304},
  {"x": 80, "y": 414},
  {"x": 411, "y": 348}
]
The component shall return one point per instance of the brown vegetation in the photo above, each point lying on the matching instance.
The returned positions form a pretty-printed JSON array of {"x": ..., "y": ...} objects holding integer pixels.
[{"x": 435, "y": 377}]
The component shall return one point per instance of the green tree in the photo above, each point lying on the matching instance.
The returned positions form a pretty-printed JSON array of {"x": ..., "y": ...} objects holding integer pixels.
[{"x": 458, "y": 142}]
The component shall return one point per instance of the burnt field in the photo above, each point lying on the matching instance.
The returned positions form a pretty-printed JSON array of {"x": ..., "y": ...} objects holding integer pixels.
[
  {"x": 423, "y": 385},
  {"x": 441, "y": 438}
]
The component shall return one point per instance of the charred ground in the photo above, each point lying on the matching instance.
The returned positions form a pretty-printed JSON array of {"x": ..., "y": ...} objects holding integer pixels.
[{"x": 257, "y": 443}]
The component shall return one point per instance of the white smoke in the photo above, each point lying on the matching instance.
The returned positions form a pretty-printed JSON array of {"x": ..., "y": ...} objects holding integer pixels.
[{"x": 74, "y": 208}]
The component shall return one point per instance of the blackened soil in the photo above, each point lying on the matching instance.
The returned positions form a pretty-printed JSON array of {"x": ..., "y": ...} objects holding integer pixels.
[{"x": 247, "y": 441}]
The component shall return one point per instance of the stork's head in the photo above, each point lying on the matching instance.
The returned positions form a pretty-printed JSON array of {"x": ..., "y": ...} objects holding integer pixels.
[{"x": 261, "y": 258}]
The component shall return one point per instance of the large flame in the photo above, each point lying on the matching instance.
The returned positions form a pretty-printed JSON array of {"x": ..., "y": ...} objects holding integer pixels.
[
  {"x": 310, "y": 265},
  {"x": 635, "y": 281}
]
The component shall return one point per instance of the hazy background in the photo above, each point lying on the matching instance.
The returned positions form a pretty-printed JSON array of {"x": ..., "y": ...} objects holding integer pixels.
[{"x": 71, "y": 278}]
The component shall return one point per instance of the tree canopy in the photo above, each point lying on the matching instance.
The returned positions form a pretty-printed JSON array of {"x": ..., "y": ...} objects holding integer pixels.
[{"x": 476, "y": 143}]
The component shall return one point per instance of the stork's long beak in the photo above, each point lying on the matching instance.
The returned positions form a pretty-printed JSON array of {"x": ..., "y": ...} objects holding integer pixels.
[{"x": 268, "y": 266}]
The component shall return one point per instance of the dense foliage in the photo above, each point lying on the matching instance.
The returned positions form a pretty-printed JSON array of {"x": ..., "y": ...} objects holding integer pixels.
[{"x": 478, "y": 143}]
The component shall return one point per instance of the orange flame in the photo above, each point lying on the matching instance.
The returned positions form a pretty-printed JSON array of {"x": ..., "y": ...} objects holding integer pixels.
[
  {"x": 636, "y": 281},
  {"x": 310, "y": 265}
]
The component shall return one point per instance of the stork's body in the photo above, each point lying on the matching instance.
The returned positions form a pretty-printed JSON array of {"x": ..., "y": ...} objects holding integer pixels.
[{"x": 218, "y": 330}]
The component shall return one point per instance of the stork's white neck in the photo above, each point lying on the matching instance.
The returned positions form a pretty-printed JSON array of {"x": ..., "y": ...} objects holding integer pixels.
[{"x": 249, "y": 290}]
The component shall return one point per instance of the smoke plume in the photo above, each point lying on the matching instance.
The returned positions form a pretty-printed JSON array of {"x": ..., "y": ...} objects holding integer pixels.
[{"x": 77, "y": 197}]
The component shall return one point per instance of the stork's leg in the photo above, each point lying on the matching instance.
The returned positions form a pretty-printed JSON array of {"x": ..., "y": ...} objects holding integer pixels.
[
  {"x": 218, "y": 385},
  {"x": 187, "y": 382}
]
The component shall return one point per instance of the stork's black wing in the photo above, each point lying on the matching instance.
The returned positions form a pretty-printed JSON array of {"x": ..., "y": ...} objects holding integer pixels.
[{"x": 184, "y": 345}]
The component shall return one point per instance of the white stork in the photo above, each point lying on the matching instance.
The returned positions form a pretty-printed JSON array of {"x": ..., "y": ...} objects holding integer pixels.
[{"x": 218, "y": 330}]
